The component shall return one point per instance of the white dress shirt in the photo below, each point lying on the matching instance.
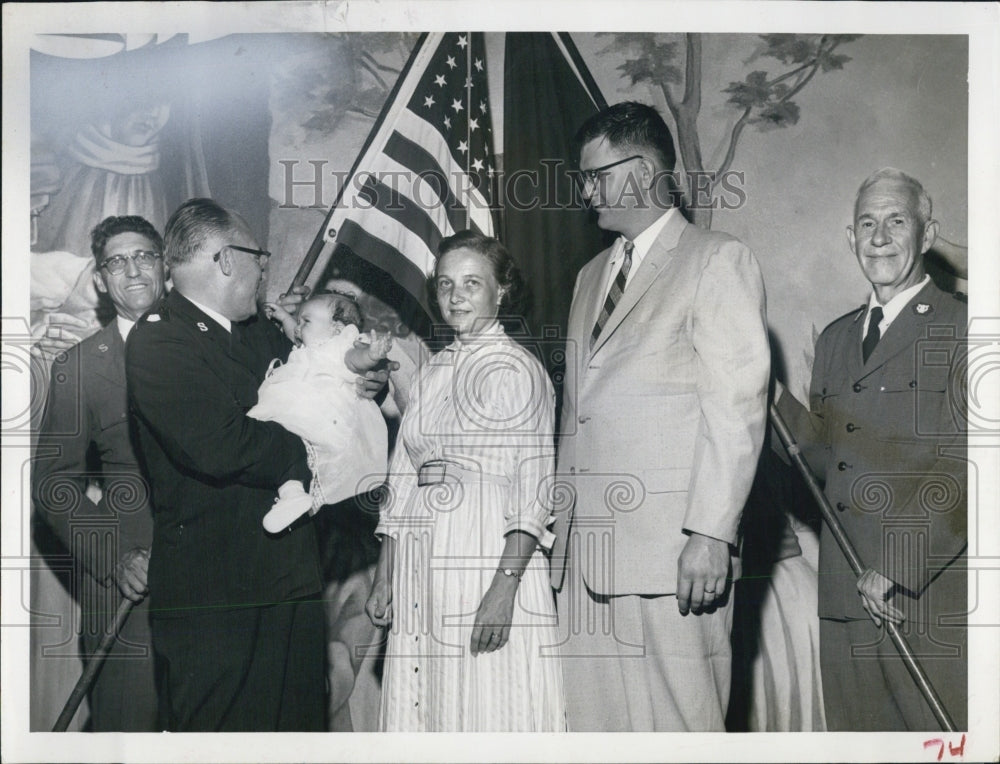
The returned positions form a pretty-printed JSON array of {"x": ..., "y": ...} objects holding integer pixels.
[
  {"x": 641, "y": 246},
  {"x": 892, "y": 308}
]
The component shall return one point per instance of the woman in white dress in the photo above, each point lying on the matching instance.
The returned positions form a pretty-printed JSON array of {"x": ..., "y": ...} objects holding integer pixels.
[{"x": 462, "y": 581}]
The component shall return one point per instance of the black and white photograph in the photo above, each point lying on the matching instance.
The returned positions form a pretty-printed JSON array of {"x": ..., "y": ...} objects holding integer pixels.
[{"x": 533, "y": 370}]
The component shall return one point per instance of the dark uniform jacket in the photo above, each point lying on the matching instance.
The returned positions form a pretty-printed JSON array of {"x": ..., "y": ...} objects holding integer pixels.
[
  {"x": 87, "y": 409},
  {"x": 889, "y": 437},
  {"x": 214, "y": 471},
  {"x": 86, "y": 436}
]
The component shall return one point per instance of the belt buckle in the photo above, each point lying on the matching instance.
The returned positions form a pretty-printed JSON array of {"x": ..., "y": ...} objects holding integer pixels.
[{"x": 432, "y": 473}]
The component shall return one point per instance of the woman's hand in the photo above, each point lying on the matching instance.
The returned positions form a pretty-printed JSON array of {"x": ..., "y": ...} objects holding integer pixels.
[
  {"x": 378, "y": 606},
  {"x": 492, "y": 628}
]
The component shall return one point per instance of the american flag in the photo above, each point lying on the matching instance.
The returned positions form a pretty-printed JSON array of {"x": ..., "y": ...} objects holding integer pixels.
[{"x": 428, "y": 167}]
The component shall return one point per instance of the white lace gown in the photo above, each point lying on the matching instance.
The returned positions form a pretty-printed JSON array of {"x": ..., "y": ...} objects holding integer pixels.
[
  {"x": 489, "y": 407},
  {"x": 314, "y": 396}
]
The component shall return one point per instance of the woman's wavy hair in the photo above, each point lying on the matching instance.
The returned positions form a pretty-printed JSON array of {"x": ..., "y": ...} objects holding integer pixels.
[{"x": 505, "y": 270}]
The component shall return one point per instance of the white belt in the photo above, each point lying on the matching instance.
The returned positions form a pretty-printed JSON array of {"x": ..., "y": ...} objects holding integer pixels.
[{"x": 441, "y": 471}]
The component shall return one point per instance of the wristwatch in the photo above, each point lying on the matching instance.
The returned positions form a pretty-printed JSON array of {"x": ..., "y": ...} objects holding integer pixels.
[{"x": 511, "y": 572}]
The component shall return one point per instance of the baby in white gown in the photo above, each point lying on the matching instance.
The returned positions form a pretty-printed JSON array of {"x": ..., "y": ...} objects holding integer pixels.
[{"x": 314, "y": 396}]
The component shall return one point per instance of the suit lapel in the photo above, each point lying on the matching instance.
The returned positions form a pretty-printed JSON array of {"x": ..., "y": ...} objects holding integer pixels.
[
  {"x": 108, "y": 354},
  {"x": 908, "y": 324},
  {"x": 214, "y": 335},
  {"x": 664, "y": 249},
  {"x": 855, "y": 362}
]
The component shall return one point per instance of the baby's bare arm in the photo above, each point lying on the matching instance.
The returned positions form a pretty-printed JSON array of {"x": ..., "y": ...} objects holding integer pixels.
[
  {"x": 275, "y": 311},
  {"x": 365, "y": 356}
]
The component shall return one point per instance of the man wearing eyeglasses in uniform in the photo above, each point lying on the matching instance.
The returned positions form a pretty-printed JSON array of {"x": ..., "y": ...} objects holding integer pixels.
[
  {"x": 238, "y": 623},
  {"x": 664, "y": 407},
  {"x": 86, "y": 412}
]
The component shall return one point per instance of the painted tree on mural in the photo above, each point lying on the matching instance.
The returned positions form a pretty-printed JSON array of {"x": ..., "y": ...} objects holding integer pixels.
[
  {"x": 762, "y": 99},
  {"x": 341, "y": 74}
]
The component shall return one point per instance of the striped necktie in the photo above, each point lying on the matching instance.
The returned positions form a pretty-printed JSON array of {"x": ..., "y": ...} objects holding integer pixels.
[{"x": 614, "y": 295}]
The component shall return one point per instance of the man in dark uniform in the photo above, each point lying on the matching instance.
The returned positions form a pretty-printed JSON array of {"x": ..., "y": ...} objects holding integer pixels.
[
  {"x": 238, "y": 628},
  {"x": 887, "y": 429},
  {"x": 86, "y": 412}
]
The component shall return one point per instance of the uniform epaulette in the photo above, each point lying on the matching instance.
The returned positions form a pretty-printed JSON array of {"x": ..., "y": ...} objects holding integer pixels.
[
  {"x": 854, "y": 315},
  {"x": 156, "y": 313}
]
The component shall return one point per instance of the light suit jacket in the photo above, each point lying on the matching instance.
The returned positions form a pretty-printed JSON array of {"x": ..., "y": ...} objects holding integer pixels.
[{"x": 663, "y": 420}]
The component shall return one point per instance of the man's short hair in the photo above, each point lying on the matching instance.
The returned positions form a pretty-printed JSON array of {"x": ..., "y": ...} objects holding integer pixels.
[
  {"x": 116, "y": 224},
  {"x": 191, "y": 225},
  {"x": 924, "y": 205},
  {"x": 630, "y": 125}
]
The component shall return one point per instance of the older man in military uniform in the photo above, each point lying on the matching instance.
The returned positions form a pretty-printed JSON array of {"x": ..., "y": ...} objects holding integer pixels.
[
  {"x": 86, "y": 412},
  {"x": 886, "y": 428}
]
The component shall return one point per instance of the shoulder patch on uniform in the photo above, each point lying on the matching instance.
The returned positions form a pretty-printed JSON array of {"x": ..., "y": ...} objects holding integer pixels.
[{"x": 851, "y": 315}]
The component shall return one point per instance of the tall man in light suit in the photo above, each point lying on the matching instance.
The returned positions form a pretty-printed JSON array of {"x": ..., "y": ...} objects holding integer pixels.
[{"x": 664, "y": 408}]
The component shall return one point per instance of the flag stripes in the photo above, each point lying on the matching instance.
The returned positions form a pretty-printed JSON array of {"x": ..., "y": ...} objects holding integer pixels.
[{"x": 426, "y": 173}]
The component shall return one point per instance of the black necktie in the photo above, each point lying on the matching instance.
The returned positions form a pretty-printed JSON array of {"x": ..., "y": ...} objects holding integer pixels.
[
  {"x": 615, "y": 294},
  {"x": 873, "y": 335}
]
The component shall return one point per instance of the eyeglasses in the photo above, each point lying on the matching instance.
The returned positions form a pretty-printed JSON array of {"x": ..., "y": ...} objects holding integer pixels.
[
  {"x": 591, "y": 176},
  {"x": 143, "y": 258},
  {"x": 260, "y": 255}
]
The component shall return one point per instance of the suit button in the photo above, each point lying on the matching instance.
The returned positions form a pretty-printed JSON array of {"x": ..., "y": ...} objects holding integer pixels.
[
  {"x": 856, "y": 387},
  {"x": 843, "y": 466},
  {"x": 913, "y": 383},
  {"x": 850, "y": 427},
  {"x": 841, "y": 506}
]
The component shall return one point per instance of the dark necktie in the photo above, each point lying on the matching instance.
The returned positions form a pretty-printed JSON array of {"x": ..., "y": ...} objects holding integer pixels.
[
  {"x": 873, "y": 335},
  {"x": 615, "y": 294}
]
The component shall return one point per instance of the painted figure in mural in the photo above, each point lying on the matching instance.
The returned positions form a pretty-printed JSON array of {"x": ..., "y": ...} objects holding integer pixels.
[
  {"x": 62, "y": 294},
  {"x": 86, "y": 412},
  {"x": 314, "y": 396},
  {"x": 886, "y": 428},
  {"x": 238, "y": 626},
  {"x": 664, "y": 408},
  {"x": 111, "y": 170},
  {"x": 462, "y": 580}
]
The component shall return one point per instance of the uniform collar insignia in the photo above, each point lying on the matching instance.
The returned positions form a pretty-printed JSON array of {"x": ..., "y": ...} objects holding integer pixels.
[
  {"x": 153, "y": 318},
  {"x": 922, "y": 308}
]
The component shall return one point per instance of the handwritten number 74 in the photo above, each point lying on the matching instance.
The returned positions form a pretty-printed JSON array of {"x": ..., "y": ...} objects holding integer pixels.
[{"x": 952, "y": 750}]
